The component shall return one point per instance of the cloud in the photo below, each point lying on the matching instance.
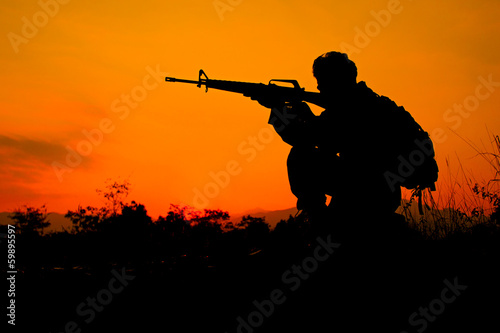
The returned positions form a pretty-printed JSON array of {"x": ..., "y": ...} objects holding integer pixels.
[
  {"x": 27, "y": 152},
  {"x": 25, "y": 161}
]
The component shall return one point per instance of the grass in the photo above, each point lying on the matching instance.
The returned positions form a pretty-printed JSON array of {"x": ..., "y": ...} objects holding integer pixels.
[{"x": 463, "y": 203}]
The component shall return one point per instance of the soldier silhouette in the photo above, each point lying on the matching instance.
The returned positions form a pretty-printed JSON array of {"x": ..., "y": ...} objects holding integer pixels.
[
  {"x": 360, "y": 150},
  {"x": 345, "y": 151}
]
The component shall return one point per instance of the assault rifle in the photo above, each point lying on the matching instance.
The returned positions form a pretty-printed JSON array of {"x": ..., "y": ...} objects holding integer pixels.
[{"x": 277, "y": 93}]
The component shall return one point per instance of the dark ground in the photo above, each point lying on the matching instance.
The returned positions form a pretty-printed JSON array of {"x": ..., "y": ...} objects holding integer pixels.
[{"x": 372, "y": 283}]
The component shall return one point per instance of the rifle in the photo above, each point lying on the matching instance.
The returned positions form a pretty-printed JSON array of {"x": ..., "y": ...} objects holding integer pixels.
[{"x": 257, "y": 90}]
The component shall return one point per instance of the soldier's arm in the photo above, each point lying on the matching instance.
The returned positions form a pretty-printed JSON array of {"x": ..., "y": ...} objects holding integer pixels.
[{"x": 295, "y": 123}]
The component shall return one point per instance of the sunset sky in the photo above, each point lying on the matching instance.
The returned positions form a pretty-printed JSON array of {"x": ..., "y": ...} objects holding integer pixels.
[{"x": 89, "y": 75}]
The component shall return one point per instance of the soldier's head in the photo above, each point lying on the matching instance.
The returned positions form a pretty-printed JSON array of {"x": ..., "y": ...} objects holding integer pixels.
[{"x": 335, "y": 73}]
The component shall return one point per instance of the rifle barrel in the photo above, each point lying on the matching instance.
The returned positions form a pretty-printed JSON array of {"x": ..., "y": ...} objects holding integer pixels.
[{"x": 173, "y": 79}]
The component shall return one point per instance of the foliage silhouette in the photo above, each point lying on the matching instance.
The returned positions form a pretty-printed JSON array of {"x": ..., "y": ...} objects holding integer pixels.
[
  {"x": 30, "y": 221},
  {"x": 86, "y": 219},
  {"x": 205, "y": 264},
  {"x": 115, "y": 194},
  {"x": 191, "y": 262}
]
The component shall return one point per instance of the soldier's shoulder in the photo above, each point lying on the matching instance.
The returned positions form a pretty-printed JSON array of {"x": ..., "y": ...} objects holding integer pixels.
[{"x": 383, "y": 103}]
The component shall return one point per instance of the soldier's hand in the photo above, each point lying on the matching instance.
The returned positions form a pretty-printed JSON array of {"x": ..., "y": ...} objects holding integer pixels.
[
  {"x": 290, "y": 115},
  {"x": 300, "y": 109}
]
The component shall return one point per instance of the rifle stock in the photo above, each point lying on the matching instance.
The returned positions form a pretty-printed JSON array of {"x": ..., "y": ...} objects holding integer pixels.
[{"x": 248, "y": 89}]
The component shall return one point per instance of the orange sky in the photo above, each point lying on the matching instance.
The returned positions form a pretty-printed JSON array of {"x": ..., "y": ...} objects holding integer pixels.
[{"x": 94, "y": 67}]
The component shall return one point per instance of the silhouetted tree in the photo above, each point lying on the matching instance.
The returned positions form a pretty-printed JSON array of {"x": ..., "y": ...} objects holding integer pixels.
[
  {"x": 115, "y": 194},
  {"x": 249, "y": 222},
  {"x": 256, "y": 230},
  {"x": 291, "y": 226},
  {"x": 87, "y": 219},
  {"x": 134, "y": 219},
  {"x": 30, "y": 220},
  {"x": 206, "y": 229},
  {"x": 3, "y": 233},
  {"x": 90, "y": 218},
  {"x": 289, "y": 236},
  {"x": 130, "y": 233},
  {"x": 210, "y": 218},
  {"x": 228, "y": 226}
]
